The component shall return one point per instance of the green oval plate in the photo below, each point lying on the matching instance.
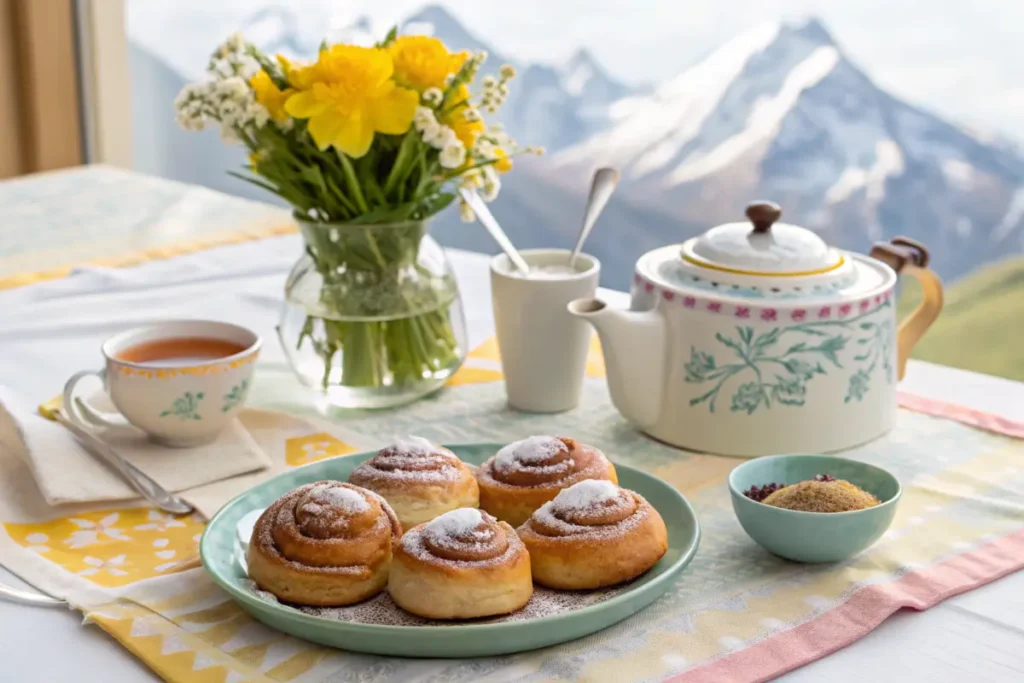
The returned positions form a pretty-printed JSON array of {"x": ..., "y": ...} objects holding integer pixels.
[{"x": 217, "y": 549}]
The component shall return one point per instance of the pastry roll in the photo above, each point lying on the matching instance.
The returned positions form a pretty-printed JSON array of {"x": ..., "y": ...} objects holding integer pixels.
[
  {"x": 324, "y": 544},
  {"x": 593, "y": 534},
  {"x": 461, "y": 565},
  {"x": 419, "y": 479},
  {"x": 526, "y": 474}
]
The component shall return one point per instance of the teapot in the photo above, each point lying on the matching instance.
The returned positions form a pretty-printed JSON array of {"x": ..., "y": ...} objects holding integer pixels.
[{"x": 757, "y": 338}]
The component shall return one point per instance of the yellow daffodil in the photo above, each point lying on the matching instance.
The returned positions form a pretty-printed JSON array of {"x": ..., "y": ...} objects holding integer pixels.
[
  {"x": 455, "y": 117},
  {"x": 423, "y": 62},
  {"x": 504, "y": 163},
  {"x": 348, "y": 95},
  {"x": 270, "y": 96}
]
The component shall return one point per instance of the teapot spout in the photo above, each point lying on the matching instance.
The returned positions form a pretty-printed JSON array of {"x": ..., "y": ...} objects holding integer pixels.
[{"x": 634, "y": 354}]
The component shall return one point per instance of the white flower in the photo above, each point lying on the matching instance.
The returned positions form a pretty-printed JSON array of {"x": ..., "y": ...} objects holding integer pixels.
[
  {"x": 189, "y": 122},
  {"x": 472, "y": 179},
  {"x": 248, "y": 67},
  {"x": 229, "y": 135},
  {"x": 490, "y": 81},
  {"x": 449, "y": 79},
  {"x": 229, "y": 111},
  {"x": 94, "y": 532},
  {"x": 159, "y": 521},
  {"x": 439, "y": 137},
  {"x": 433, "y": 96},
  {"x": 111, "y": 566},
  {"x": 484, "y": 149},
  {"x": 233, "y": 87},
  {"x": 507, "y": 71},
  {"x": 466, "y": 212},
  {"x": 491, "y": 184},
  {"x": 257, "y": 115},
  {"x": 453, "y": 155},
  {"x": 471, "y": 114},
  {"x": 235, "y": 42},
  {"x": 423, "y": 119},
  {"x": 221, "y": 68}
]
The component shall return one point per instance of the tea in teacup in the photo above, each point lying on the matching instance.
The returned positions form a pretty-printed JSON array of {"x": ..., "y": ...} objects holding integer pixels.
[
  {"x": 181, "y": 382},
  {"x": 178, "y": 351}
]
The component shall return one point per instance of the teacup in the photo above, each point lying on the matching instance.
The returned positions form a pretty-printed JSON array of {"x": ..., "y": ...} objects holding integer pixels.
[{"x": 181, "y": 382}]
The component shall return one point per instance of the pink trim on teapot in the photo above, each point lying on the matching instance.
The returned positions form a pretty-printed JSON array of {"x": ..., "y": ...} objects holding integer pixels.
[{"x": 769, "y": 313}]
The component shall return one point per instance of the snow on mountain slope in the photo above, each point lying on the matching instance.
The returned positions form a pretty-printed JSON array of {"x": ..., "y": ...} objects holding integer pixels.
[{"x": 780, "y": 112}]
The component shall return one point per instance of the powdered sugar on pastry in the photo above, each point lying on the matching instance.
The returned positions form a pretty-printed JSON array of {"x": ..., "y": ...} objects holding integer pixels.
[
  {"x": 457, "y": 523},
  {"x": 461, "y": 538},
  {"x": 587, "y": 493},
  {"x": 591, "y": 508},
  {"x": 411, "y": 459},
  {"x": 326, "y": 495},
  {"x": 530, "y": 451}
]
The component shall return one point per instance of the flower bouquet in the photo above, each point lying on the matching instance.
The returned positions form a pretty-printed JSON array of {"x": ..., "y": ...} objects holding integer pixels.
[{"x": 366, "y": 143}]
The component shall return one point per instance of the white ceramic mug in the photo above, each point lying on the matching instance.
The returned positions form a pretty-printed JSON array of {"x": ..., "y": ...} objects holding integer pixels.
[
  {"x": 178, "y": 401},
  {"x": 543, "y": 348}
]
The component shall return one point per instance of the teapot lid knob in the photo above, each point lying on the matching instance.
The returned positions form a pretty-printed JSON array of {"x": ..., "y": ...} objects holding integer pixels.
[{"x": 763, "y": 214}]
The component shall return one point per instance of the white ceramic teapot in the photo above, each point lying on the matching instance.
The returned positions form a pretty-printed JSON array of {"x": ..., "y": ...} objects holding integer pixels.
[{"x": 758, "y": 338}]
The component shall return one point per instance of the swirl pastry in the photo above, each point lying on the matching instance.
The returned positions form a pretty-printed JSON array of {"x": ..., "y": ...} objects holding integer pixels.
[
  {"x": 460, "y": 565},
  {"x": 419, "y": 480},
  {"x": 593, "y": 534},
  {"x": 526, "y": 474},
  {"x": 324, "y": 544}
]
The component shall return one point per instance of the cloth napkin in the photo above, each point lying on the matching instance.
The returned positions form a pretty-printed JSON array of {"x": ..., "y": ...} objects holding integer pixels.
[{"x": 67, "y": 473}]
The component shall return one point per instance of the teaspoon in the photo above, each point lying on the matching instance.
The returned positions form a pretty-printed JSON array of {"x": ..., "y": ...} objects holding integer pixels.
[
  {"x": 601, "y": 189},
  {"x": 485, "y": 216}
]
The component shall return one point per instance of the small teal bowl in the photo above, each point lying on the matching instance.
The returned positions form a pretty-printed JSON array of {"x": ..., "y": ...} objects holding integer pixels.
[{"x": 813, "y": 536}]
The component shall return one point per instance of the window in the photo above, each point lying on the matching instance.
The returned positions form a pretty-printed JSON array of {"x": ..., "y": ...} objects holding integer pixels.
[{"x": 859, "y": 127}]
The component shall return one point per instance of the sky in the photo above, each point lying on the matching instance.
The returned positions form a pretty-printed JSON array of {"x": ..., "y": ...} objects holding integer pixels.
[{"x": 963, "y": 60}]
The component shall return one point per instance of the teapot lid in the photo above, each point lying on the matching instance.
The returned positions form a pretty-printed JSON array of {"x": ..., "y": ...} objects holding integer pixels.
[{"x": 761, "y": 248}]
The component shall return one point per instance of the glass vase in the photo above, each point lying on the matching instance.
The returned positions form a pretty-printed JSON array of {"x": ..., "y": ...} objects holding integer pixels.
[{"x": 372, "y": 315}]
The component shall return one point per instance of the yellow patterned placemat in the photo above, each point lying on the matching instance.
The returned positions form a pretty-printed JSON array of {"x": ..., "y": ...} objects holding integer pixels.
[{"x": 736, "y": 613}]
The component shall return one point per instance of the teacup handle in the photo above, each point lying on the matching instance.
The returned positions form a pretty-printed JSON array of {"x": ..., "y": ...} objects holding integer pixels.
[
  {"x": 81, "y": 413},
  {"x": 909, "y": 257}
]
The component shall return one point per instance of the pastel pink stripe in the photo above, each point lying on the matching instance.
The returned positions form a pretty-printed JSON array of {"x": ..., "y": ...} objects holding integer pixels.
[
  {"x": 969, "y": 416},
  {"x": 862, "y": 612}
]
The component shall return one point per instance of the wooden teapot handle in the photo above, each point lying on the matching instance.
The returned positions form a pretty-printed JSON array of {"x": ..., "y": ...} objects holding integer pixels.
[{"x": 910, "y": 257}]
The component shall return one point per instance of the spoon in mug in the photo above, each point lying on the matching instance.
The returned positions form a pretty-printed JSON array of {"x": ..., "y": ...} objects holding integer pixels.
[
  {"x": 484, "y": 215},
  {"x": 601, "y": 188}
]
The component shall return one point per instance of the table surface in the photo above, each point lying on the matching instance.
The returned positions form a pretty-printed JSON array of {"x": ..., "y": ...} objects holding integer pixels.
[{"x": 54, "y": 328}]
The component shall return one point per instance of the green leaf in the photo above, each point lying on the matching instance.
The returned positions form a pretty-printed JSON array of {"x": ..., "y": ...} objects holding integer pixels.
[
  {"x": 386, "y": 214},
  {"x": 436, "y": 204},
  {"x": 353, "y": 182},
  {"x": 729, "y": 342},
  {"x": 404, "y": 162},
  {"x": 796, "y": 348},
  {"x": 389, "y": 38},
  {"x": 800, "y": 368},
  {"x": 768, "y": 338}
]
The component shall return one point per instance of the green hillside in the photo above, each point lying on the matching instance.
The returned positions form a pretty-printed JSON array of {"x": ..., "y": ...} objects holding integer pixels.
[{"x": 982, "y": 325}]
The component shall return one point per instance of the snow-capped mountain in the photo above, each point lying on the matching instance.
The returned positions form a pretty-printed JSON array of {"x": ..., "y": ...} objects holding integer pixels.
[{"x": 780, "y": 112}]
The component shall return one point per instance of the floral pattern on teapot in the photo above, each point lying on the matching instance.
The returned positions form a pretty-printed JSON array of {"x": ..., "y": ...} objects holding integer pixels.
[{"x": 774, "y": 367}]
